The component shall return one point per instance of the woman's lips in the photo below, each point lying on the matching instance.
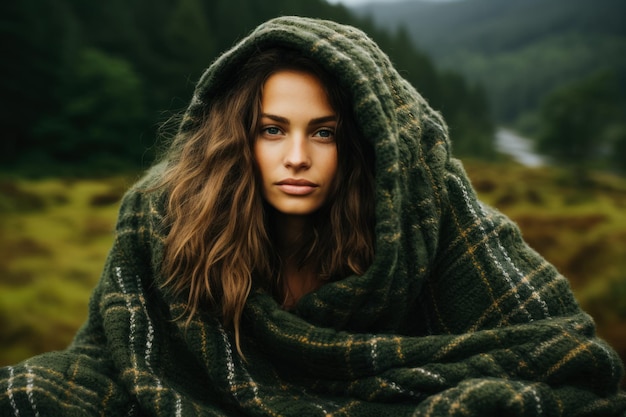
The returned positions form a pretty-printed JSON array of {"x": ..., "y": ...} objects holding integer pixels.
[{"x": 296, "y": 186}]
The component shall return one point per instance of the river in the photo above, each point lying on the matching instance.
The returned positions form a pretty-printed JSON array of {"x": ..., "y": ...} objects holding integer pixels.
[{"x": 519, "y": 148}]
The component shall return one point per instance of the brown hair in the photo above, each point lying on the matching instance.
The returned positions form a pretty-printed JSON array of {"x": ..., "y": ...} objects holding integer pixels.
[{"x": 219, "y": 235}]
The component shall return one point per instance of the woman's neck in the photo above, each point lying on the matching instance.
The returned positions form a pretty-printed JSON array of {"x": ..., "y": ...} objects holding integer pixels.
[{"x": 290, "y": 232}]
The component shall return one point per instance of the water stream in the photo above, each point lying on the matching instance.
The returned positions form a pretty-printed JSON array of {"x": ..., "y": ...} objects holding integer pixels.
[{"x": 519, "y": 148}]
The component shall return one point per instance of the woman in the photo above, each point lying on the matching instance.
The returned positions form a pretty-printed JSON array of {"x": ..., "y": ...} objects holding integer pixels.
[
  {"x": 309, "y": 247},
  {"x": 258, "y": 196}
]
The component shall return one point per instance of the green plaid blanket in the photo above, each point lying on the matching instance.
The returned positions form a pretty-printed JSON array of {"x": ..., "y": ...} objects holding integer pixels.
[{"x": 457, "y": 316}]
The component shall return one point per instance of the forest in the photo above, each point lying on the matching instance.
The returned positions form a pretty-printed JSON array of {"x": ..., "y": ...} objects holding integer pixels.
[{"x": 89, "y": 85}]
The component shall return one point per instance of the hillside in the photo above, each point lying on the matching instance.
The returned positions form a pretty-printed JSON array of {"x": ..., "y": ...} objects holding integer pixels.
[{"x": 520, "y": 50}]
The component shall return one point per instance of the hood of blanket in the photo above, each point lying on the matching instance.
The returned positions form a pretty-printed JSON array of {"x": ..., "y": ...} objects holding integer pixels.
[{"x": 411, "y": 148}]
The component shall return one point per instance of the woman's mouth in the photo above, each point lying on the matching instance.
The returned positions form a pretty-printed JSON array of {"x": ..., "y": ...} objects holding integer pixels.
[{"x": 299, "y": 187}]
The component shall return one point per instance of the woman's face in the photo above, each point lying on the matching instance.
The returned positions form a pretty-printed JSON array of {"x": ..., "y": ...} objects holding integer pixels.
[{"x": 295, "y": 148}]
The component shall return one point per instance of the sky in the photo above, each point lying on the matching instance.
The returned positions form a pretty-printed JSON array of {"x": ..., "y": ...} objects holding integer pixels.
[
  {"x": 358, "y": 2},
  {"x": 349, "y": 3}
]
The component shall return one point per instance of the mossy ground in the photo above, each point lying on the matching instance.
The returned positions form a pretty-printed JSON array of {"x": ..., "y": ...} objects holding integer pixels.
[{"x": 54, "y": 237}]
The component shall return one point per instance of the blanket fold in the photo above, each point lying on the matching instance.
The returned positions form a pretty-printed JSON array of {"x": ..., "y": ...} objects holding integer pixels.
[{"x": 456, "y": 316}]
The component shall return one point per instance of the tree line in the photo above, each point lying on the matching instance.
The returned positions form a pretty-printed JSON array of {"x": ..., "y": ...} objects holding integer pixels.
[{"x": 85, "y": 85}]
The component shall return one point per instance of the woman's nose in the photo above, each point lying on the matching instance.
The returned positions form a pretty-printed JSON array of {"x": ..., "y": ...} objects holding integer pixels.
[{"x": 297, "y": 152}]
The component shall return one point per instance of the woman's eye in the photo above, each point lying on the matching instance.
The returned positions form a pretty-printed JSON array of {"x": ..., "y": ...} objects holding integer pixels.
[
  {"x": 325, "y": 133},
  {"x": 272, "y": 130}
]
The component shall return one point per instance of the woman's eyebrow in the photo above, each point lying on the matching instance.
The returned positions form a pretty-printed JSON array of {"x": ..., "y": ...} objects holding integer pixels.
[
  {"x": 316, "y": 121},
  {"x": 324, "y": 119},
  {"x": 276, "y": 118}
]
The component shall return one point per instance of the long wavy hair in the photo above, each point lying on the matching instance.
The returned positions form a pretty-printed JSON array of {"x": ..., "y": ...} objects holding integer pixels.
[{"x": 219, "y": 245}]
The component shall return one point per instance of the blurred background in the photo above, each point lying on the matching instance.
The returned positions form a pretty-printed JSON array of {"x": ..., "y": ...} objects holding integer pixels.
[{"x": 534, "y": 92}]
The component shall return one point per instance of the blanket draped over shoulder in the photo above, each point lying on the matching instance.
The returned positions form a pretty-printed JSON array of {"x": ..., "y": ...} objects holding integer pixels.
[{"x": 456, "y": 316}]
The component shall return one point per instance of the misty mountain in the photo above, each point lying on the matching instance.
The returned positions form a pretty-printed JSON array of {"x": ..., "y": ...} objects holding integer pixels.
[{"x": 520, "y": 50}]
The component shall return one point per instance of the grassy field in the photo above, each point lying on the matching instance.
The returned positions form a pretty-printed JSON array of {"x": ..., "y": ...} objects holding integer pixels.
[{"x": 55, "y": 235}]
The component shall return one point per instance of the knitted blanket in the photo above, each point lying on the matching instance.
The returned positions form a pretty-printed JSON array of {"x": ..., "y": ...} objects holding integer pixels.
[{"x": 456, "y": 316}]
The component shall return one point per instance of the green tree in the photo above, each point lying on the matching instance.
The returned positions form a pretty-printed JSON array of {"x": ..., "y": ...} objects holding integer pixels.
[
  {"x": 575, "y": 122},
  {"x": 99, "y": 125},
  {"x": 617, "y": 136},
  {"x": 189, "y": 40},
  {"x": 39, "y": 39}
]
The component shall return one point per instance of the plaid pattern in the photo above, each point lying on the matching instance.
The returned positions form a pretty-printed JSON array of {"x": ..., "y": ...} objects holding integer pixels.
[{"x": 457, "y": 316}]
